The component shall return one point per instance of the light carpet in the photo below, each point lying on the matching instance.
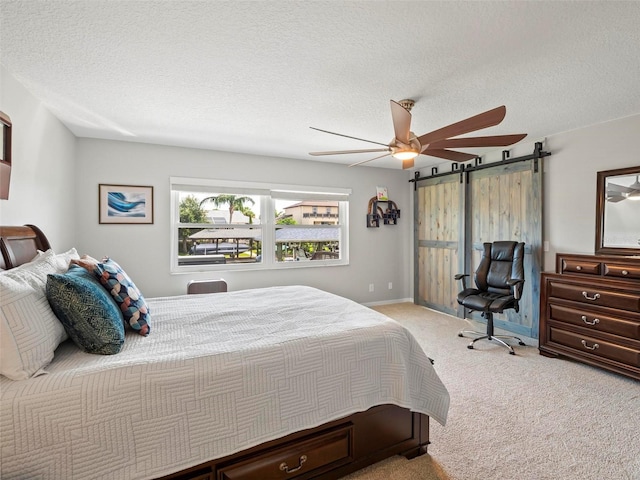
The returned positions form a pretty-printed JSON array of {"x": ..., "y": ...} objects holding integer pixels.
[{"x": 517, "y": 417}]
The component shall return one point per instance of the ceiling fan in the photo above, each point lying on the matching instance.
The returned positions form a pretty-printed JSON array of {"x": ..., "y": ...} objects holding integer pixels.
[
  {"x": 617, "y": 193},
  {"x": 406, "y": 145}
]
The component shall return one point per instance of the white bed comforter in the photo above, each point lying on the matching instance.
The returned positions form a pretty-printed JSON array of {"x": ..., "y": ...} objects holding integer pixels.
[{"x": 218, "y": 373}]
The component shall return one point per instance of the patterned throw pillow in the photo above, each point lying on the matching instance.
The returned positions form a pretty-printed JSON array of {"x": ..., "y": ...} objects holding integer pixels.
[
  {"x": 89, "y": 314},
  {"x": 128, "y": 297}
]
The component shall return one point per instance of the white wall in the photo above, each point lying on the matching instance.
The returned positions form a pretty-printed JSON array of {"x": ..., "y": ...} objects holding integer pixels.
[
  {"x": 42, "y": 173},
  {"x": 570, "y": 181},
  {"x": 377, "y": 255}
]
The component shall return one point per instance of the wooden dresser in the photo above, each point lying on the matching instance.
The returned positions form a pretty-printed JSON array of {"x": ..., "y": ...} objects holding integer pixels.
[{"x": 590, "y": 311}]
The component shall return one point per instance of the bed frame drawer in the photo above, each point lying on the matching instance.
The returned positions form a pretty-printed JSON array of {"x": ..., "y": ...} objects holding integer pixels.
[{"x": 302, "y": 459}]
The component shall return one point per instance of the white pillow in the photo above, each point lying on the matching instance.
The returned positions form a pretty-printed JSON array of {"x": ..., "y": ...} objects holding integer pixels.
[{"x": 29, "y": 330}]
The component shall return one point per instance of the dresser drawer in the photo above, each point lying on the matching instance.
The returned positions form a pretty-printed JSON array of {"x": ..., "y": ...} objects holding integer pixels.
[
  {"x": 584, "y": 267},
  {"x": 596, "y": 347},
  {"x": 594, "y": 295},
  {"x": 300, "y": 459},
  {"x": 621, "y": 271},
  {"x": 596, "y": 321}
]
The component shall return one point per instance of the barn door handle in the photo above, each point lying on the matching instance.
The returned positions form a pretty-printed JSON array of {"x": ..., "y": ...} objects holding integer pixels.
[
  {"x": 586, "y": 295},
  {"x": 285, "y": 468}
]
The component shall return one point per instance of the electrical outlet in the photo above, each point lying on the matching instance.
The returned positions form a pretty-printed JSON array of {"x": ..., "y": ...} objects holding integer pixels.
[
  {"x": 390, "y": 285},
  {"x": 371, "y": 287}
]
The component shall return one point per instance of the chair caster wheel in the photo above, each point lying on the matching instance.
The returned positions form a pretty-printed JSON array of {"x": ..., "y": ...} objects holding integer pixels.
[
  {"x": 512, "y": 353},
  {"x": 470, "y": 347},
  {"x": 523, "y": 344},
  {"x": 460, "y": 335}
]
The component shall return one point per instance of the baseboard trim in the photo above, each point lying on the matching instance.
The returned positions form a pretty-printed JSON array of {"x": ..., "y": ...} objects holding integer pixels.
[{"x": 388, "y": 302}]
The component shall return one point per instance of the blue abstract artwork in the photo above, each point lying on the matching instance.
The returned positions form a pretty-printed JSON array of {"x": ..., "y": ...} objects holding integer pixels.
[
  {"x": 121, "y": 204},
  {"x": 125, "y": 204}
]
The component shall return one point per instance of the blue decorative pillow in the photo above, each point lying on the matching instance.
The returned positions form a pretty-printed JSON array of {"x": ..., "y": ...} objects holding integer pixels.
[
  {"x": 131, "y": 302},
  {"x": 88, "y": 313}
]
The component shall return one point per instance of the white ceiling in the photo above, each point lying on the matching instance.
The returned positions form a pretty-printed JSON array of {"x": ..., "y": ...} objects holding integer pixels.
[{"x": 254, "y": 76}]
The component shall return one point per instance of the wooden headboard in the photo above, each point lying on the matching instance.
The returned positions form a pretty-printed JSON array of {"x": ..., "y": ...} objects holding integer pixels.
[{"x": 19, "y": 244}]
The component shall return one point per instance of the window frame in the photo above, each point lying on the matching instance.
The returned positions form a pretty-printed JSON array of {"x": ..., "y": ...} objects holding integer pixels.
[{"x": 269, "y": 193}]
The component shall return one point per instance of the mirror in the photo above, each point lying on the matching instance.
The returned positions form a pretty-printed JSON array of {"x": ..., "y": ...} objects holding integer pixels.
[
  {"x": 5, "y": 158},
  {"x": 618, "y": 212}
]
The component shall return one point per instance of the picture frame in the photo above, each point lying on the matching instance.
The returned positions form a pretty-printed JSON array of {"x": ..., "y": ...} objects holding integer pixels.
[{"x": 125, "y": 204}]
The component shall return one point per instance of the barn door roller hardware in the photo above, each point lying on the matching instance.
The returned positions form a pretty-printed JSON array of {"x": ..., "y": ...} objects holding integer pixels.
[{"x": 463, "y": 168}]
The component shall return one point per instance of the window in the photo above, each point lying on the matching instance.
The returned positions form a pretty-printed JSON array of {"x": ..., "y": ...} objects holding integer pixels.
[{"x": 222, "y": 225}]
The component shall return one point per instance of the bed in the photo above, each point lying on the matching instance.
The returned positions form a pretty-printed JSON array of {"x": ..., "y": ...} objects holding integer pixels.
[{"x": 272, "y": 383}]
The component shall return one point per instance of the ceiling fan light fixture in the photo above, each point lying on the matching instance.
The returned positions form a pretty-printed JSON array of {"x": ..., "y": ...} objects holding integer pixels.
[
  {"x": 635, "y": 196},
  {"x": 405, "y": 154}
]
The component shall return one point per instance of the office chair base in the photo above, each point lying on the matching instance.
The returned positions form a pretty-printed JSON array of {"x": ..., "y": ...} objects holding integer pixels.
[{"x": 490, "y": 338}]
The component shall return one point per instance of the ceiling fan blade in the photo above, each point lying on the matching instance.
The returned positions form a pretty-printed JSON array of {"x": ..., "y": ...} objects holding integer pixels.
[
  {"x": 448, "y": 154},
  {"x": 616, "y": 198},
  {"x": 401, "y": 122},
  {"x": 348, "y": 136},
  {"x": 369, "y": 160},
  {"x": 612, "y": 187},
  {"x": 477, "y": 122},
  {"x": 340, "y": 152},
  {"x": 408, "y": 163},
  {"x": 490, "y": 141}
]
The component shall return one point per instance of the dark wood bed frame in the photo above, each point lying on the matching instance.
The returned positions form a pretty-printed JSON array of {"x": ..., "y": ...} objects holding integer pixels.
[{"x": 326, "y": 452}]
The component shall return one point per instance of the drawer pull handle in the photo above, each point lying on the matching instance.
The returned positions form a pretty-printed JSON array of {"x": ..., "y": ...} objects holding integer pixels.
[
  {"x": 625, "y": 272},
  {"x": 585, "y": 320},
  {"x": 285, "y": 468},
  {"x": 586, "y": 295},
  {"x": 578, "y": 267},
  {"x": 594, "y": 347}
]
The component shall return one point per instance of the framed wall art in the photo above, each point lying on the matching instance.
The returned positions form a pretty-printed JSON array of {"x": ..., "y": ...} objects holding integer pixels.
[{"x": 125, "y": 204}]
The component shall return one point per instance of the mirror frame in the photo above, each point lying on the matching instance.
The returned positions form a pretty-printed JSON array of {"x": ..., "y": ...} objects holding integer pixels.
[
  {"x": 5, "y": 160},
  {"x": 601, "y": 200}
]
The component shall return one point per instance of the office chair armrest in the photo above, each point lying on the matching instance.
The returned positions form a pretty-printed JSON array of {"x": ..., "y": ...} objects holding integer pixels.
[
  {"x": 512, "y": 282},
  {"x": 461, "y": 276}
]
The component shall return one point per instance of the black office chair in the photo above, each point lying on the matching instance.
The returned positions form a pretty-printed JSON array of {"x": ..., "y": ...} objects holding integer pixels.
[{"x": 499, "y": 278}]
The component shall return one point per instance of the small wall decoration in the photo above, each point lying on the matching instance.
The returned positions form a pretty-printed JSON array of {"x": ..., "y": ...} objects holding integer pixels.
[
  {"x": 125, "y": 204},
  {"x": 5, "y": 155},
  {"x": 375, "y": 212},
  {"x": 382, "y": 194}
]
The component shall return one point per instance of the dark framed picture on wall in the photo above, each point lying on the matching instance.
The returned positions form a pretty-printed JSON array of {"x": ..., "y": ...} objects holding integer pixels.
[{"x": 125, "y": 204}]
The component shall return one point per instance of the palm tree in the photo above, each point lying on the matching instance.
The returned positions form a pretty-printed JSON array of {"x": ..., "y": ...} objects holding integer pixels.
[
  {"x": 234, "y": 202},
  {"x": 247, "y": 212}
]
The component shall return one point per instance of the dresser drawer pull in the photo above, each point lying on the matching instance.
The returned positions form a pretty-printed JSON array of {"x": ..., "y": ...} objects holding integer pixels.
[
  {"x": 285, "y": 468},
  {"x": 585, "y": 320},
  {"x": 625, "y": 272},
  {"x": 586, "y": 295},
  {"x": 578, "y": 267},
  {"x": 584, "y": 344}
]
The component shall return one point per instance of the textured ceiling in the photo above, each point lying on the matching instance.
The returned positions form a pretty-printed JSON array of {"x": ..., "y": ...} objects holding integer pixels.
[{"x": 254, "y": 76}]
